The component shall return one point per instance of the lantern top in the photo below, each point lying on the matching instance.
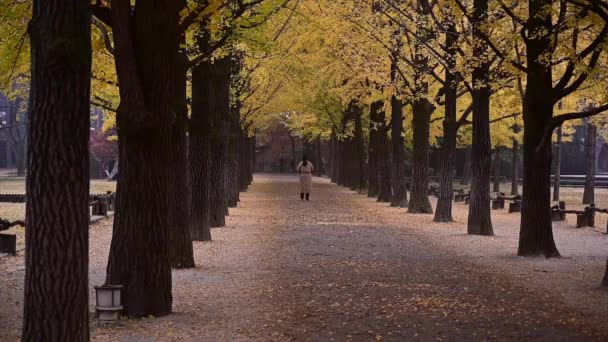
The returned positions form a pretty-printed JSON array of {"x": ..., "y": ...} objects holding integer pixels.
[{"x": 108, "y": 287}]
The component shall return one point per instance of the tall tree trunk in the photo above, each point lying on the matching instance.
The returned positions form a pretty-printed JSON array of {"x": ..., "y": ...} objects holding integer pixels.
[
  {"x": 218, "y": 110},
  {"x": 359, "y": 182},
  {"x": 319, "y": 157},
  {"x": 422, "y": 110},
  {"x": 145, "y": 41},
  {"x": 373, "y": 148},
  {"x": 557, "y": 164},
  {"x": 443, "y": 212},
  {"x": 480, "y": 221},
  {"x": 515, "y": 167},
  {"x": 419, "y": 196},
  {"x": 199, "y": 155},
  {"x": 57, "y": 214},
  {"x": 536, "y": 231},
  {"x": 243, "y": 160},
  {"x": 252, "y": 158},
  {"x": 180, "y": 243},
  {"x": 232, "y": 168},
  {"x": 399, "y": 197},
  {"x": 589, "y": 192},
  {"x": 383, "y": 161},
  {"x": 333, "y": 170},
  {"x": 496, "y": 187}
]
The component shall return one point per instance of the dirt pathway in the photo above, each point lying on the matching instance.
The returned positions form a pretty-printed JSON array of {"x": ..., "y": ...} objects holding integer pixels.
[{"x": 331, "y": 269}]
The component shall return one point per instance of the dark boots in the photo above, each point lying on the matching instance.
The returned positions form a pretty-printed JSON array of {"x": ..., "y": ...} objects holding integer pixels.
[
  {"x": 307, "y": 196},
  {"x": 302, "y": 196}
]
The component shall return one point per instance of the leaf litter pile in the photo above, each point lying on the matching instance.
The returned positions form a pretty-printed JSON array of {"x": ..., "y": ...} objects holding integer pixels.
[{"x": 343, "y": 267}]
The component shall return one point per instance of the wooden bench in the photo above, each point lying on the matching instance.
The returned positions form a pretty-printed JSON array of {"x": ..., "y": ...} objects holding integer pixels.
[
  {"x": 584, "y": 218},
  {"x": 8, "y": 242}
]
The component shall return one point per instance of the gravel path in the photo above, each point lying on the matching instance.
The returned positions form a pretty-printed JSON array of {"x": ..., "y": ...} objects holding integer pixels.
[{"x": 342, "y": 267}]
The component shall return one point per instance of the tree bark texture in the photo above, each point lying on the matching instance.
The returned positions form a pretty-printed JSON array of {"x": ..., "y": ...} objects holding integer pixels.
[
  {"x": 232, "y": 168},
  {"x": 360, "y": 179},
  {"x": 199, "y": 155},
  {"x": 419, "y": 197},
  {"x": 443, "y": 212},
  {"x": 373, "y": 149},
  {"x": 145, "y": 40},
  {"x": 589, "y": 191},
  {"x": 383, "y": 161},
  {"x": 217, "y": 112},
  {"x": 479, "y": 220},
  {"x": 536, "y": 231},
  {"x": 181, "y": 254},
  {"x": 398, "y": 182},
  {"x": 57, "y": 214}
]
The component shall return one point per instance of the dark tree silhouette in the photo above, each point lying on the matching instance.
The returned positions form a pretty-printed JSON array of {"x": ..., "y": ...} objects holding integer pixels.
[{"x": 57, "y": 214}]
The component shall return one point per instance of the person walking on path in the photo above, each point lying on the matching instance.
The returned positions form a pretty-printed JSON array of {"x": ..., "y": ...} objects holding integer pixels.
[{"x": 305, "y": 169}]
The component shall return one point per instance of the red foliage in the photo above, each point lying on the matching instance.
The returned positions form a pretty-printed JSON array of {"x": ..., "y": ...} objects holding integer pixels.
[{"x": 102, "y": 148}]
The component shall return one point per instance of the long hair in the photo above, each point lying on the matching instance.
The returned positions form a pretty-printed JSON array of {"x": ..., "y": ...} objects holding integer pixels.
[{"x": 304, "y": 160}]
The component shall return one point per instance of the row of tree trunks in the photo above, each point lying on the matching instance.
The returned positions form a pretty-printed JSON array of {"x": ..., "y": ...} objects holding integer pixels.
[
  {"x": 57, "y": 237},
  {"x": 348, "y": 151},
  {"x": 443, "y": 212},
  {"x": 181, "y": 254},
  {"x": 479, "y": 220},
  {"x": 383, "y": 162},
  {"x": 199, "y": 153},
  {"x": 217, "y": 115},
  {"x": 145, "y": 40}
]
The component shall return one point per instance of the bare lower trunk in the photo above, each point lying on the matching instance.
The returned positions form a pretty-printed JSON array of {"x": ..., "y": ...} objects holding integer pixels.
[
  {"x": 145, "y": 48},
  {"x": 419, "y": 197},
  {"x": 218, "y": 110},
  {"x": 180, "y": 243},
  {"x": 443, "y": 212},
  {"x": 360, "y": 180},
  {"x": 479, "y": 220},
  {"x": 536, "y": 231},
  {"x": 557, "y": 164},
  {"x": 374, "y": 148},
  {"x": 589, "y": 192},
  {"x": 57, "y": 237},
  {"x": 399, "y": 197}
]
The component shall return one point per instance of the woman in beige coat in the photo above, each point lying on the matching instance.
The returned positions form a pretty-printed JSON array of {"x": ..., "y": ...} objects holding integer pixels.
[{"x": 305, "y": 169}]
